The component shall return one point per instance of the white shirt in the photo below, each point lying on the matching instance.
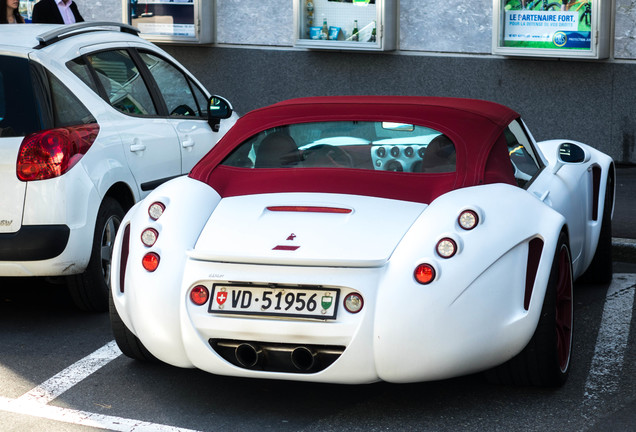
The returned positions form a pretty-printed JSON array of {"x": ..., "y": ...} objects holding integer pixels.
[{"x": 65, "y": 9}]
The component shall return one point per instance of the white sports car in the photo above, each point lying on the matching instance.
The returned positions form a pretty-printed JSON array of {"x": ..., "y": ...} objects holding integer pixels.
[{"x": 357, "y": 239}]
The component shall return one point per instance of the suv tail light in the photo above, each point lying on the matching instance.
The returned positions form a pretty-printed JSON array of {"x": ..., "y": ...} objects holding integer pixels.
[{"x": 51, "y": 153}]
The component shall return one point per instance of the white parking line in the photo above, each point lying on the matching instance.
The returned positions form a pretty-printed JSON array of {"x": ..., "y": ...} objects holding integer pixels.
[
  {"x": 58, "y": 384},
  {"x": 611, "y": 342},
  {"x": 83, "y": 418},
  {"x": 35, "y": 402}
]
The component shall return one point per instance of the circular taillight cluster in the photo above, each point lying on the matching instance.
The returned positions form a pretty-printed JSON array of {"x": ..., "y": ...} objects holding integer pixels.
[
  {"x": 149, "y": 236},
  {"x": 150, "y": 261},
  {"x": 446, "y": 247},
  {"x": 424, "y": 274},
  {"x": 353, "y": 302},
  {"x": 468, "y": 219},
  {"x": 199, "y": 295},
  {"x": 155, "y": 210}
]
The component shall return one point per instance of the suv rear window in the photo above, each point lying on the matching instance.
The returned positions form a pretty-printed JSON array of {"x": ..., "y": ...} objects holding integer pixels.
[{"x": 18, "y": 110}]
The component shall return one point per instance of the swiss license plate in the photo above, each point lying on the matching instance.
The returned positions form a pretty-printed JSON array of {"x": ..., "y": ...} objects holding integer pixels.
[{"x": 304, "y": 302}]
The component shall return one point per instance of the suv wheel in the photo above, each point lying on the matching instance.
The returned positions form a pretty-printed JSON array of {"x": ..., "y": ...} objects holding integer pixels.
[{"x": 90, "y": 289}]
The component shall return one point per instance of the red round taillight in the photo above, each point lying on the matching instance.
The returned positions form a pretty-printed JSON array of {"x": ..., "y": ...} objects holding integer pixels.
[
  {"x": 51, "y": 153},
  {"x": 446, "y": 247},
  {"x": 155, "y": 210},
  {"x": 353, "y": 302},
  {"x": 150, "y": 261},
  {"x": 199, "y": 295},
  {"x": 424, "y": 274},
  {"x": 468, "y": 219},
  {"x": 149, "y": 236}
]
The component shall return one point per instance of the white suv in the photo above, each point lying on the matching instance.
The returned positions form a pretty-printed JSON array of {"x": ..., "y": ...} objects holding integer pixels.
[{"x": 92, "y": 118}]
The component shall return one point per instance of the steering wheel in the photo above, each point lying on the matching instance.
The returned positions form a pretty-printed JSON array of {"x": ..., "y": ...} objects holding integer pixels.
[
  {"x": 183, "y": 110},
  {"x": 326, "y": 155}
]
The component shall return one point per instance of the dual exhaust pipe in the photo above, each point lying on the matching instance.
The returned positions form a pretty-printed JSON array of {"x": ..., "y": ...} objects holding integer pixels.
[{"x": 252, "y": 356}]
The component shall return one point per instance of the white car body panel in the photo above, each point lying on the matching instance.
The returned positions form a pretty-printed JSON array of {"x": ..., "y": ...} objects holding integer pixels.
[
  {"x": 570, "y": 192},
  {"x": 149, "y": 152},
  {"x": 193, "y": 136},
  {"x": 243, "y": 230}
]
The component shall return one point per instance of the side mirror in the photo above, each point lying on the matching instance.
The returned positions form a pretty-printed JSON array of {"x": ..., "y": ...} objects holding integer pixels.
[
  {"x": 570, "y": 153},
  {"x": 218, "y": 109}
]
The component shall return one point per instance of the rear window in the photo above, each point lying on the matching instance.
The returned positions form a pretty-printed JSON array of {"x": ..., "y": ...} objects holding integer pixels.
[
  {"x": 18, "y": 109},
  {"x": 377, "y": 146}
]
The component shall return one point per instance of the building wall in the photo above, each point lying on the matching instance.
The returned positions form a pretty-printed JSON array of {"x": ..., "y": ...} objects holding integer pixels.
[{"x": 443, "y": 50}]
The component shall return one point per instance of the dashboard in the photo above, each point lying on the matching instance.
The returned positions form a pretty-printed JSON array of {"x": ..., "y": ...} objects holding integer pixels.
[{"x": 398, "y": 157}]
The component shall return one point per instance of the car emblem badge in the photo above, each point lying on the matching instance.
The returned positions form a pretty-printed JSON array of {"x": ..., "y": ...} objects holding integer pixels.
[
  {"x": 326, "y": 302},
  {"x": 290, "y": 237}
]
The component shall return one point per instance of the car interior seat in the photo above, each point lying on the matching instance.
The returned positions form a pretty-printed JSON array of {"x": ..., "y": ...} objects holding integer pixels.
[
  {"x": 439, "y": 156},
  {"x": 277, "y": 150}
]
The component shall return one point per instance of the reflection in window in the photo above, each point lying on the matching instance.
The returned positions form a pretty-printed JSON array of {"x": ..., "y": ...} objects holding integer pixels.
[
  {"x": 67, "y": 109},
  {"x": 79, "y": 67},
  {"x": 124, "y": 85},
  {"x": 174, "y": 86},
  {"x": 523, "y": 159}
]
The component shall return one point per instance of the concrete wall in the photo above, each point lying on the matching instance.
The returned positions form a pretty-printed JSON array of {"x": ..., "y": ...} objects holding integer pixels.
[{"x": 443, "y": 49}]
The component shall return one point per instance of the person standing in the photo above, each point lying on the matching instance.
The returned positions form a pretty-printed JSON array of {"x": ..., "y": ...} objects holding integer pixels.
[
  {"x": 9, "y": 13},
  {"x": 56, "y": 12}
]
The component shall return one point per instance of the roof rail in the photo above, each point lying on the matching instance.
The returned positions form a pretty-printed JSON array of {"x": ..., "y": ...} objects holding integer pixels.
[{"x": 69, "y": 30}]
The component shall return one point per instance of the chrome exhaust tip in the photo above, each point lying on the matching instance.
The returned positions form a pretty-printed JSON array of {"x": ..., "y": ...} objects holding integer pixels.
[
  {"x": 303, "y": 358},
  {"x": 248, "y": 355}
]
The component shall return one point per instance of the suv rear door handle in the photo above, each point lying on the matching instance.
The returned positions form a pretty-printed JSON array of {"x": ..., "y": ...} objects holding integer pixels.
[{"x": 187, "y": 143}]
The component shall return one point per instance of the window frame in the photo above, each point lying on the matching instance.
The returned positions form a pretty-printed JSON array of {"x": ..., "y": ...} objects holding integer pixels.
[{"x": 532, "y": 151}]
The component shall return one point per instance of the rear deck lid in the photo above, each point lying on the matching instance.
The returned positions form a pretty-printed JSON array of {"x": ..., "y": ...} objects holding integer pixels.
[{"x": 306, "y": 229}]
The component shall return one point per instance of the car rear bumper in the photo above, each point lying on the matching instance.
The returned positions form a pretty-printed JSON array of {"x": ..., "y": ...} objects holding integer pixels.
[
  {"x": 34, "y": 243},
  {"x": 45, "y": 250},
  {"x": 404, "y": 333}
]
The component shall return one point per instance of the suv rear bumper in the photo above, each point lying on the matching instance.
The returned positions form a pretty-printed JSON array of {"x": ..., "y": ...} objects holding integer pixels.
[{"x": 34, "y": 243}]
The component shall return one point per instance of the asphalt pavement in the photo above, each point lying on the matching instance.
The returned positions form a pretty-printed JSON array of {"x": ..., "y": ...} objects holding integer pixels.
[{"x": 624, "y": 220}]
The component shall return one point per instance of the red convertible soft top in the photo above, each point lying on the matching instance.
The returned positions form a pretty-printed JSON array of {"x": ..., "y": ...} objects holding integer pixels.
[{"x": 476, "y": 128}]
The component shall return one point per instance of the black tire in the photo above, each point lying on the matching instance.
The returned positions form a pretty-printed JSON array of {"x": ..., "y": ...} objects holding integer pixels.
[
  {"x": 128, "y": 343},
  {"x": 89, "y": 290},
  {"x": 600, "y": 270},
  {"x": 545, "y": 361}
]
